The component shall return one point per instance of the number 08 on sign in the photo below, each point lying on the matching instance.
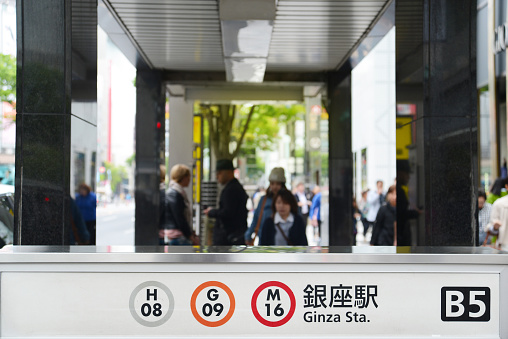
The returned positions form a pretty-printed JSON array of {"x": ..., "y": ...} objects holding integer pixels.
[{"x": 151, "y": 303}]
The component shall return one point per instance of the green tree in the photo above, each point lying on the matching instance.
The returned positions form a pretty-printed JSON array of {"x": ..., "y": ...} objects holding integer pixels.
[
  {"x": 130, "y": 160},
  {"x": 266, "y": 121},
  {"x": 7, "y": 78},
  {"x": 221, "y": 124},
  {"x": 118, "y": 174},
  {"x": 247, "y": 126}
]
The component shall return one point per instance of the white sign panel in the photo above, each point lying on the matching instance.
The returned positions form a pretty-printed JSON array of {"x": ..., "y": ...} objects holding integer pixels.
[{"x": 260, "y": 304}]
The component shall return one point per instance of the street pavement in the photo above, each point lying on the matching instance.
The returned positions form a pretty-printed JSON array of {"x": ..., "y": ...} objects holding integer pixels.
[
  {"x": 313, "y": 238},
  {"x": 115, "y": 227},
  {"x": 115, "y": 224}
]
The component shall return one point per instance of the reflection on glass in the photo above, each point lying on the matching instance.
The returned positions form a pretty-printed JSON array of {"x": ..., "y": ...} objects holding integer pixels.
[{"x": 373, "y": 132}]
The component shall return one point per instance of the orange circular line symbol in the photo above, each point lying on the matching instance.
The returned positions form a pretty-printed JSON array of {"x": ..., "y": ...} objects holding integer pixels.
[{"x": 199, "y": 318}]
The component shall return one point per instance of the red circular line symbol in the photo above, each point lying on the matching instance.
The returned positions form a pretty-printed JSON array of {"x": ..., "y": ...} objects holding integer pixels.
[
  {"x": 231, "y": 304},
  {"x": 258, "y": 316}
]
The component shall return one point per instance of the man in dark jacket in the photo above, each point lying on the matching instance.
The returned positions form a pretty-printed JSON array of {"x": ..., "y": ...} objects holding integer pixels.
[
  {"x": 79, "y": 234},
  {"x": 231, "y": 215},
  {"x": 383, "y": 233},
  {"x": 404, "y": 213}
]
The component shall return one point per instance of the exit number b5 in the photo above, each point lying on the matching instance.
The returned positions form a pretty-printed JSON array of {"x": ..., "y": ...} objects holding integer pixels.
[{"x": 465, "y": 304}]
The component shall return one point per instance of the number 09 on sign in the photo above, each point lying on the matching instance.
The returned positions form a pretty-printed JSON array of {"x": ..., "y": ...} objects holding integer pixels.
[{"x": 212, "y": 304}]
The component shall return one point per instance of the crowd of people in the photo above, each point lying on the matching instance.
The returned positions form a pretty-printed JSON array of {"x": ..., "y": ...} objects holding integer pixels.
[
  {"x": 376, "y": 211},
  {"x": 493, "y": 215},
  {"x": 277, "y": 219},
  {"x": 280, "y": 216},
  {"x": 381, "y": 212},
  {"x": 387, "y": 214}
]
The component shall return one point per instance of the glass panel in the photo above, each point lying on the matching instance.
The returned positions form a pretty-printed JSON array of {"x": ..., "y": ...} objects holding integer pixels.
[
  {"x": 484, "y": 147},
  {"x": 373, "y": 131}
]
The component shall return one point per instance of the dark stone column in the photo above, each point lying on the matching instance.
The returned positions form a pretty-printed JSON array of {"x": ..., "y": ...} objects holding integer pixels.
[
  {"x": 149, "y": 127},
  {"x": 43, "y": 119},
  {"x": 340, "y": 158},
  {"x": 84, "y": 97},
  {"x": 436, "y": 70},
  {"x": 52, "y": 50}
]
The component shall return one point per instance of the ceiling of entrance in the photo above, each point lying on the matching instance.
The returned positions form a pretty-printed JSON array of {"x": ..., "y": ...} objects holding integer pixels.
[{"x": 305, "y": 36}]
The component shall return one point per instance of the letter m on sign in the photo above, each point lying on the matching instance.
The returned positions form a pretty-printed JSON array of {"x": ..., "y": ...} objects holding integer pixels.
[{"x": 272, "y": 295}]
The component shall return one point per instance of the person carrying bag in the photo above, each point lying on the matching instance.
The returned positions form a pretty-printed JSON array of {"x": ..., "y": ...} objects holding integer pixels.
[
  {"x": 263, "y": 211},
  {"x": 286, "y": 227}
]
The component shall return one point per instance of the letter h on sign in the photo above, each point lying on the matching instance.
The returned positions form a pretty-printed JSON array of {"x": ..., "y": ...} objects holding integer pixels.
[{"x": 150, "y": 294}]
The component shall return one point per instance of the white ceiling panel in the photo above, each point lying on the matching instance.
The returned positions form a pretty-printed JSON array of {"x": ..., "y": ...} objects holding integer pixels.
[
  {"x": 186, "y": 34},
  {"x": 174, "y": 34},
  {"x": 318, "y": 35}
]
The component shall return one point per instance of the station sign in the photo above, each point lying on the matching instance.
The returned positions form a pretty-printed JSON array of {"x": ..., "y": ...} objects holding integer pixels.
[{"x": 259, "y": 304}]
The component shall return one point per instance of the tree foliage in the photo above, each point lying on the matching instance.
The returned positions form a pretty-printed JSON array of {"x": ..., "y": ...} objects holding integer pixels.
[
  {"x": 245, "y": 126},
  {"x": 266, "y": 121},
  {"x": 130, "y": 160},
  {"x": 222, "y": 121},
  {"x": 118, "y": 174},
  {"x": 7, "y": 78}
]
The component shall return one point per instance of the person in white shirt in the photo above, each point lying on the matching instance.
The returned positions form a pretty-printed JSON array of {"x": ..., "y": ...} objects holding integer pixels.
[
  {"x": 374, "y": 200},
  {"x": 285, "y": 227},
  {"x": 303, "y": 202},
  {"x": 483, "y": 216},
  {"x": 499, "y": 220}
]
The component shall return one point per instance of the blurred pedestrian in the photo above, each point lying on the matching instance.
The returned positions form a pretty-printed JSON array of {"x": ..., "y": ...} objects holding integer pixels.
[
  {"x": 162, "y": 196},
  {"x": 177, "y": 228},
  {"x": 363, "y": 208},
  {"x": 303, "y": 202},
  {"x": 499, "y": 220},
  {"x": 384, "y": 229},
  {"x": 263, "y": 210},
  {"x": 374, "y": 200},
  {"x": 404, "y": 212},
  {"x": 256, "y": 197},
  {"x": 86, "y": 201},
  {"x": 483, "y": 216},
  {"x": 285, "y": 227},
  {"x": 231, "y": 216},
  {"x": 357, "y": 217},
  {"x": 8, "y": 179},
  {"x": 315, "y": 209},
  {"x": 497, "y": 191},
  {"x": 79, "y": 234}
]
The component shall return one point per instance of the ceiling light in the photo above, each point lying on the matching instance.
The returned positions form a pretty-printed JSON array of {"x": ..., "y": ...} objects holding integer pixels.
[
  {"x": 250, "y": 38},
  {"x": 247, "y": 27},
  {"x": 245, "y": 69}
]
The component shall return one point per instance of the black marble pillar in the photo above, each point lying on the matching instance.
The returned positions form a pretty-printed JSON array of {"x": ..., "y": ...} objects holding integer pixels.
[
  {"x": 84, "y": 97},
  {"x": 48, "y": 52},
  {"x": 436, "y": 71},
  {"x": 340, "y": 157},
  {"x": 42, "y": 205},
  {"x": 150, "y": 99}
]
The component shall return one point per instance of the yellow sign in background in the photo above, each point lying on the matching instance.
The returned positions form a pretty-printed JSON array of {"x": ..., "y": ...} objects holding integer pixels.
[
  {"x": 197, "y": 156},
  {"x": 404, "y": 136}
]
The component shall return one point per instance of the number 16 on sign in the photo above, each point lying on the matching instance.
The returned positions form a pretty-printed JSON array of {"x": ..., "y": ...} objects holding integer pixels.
[{"x": 273, "y": 304}]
